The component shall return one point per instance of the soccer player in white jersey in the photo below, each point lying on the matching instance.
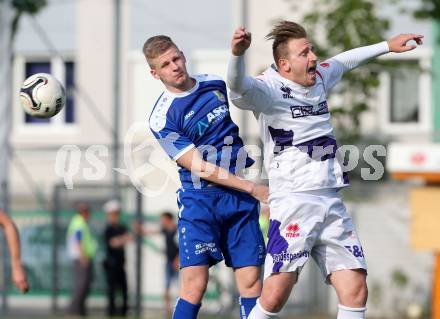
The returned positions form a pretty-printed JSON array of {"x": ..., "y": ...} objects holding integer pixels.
[
  {"x": 308, "y": 217},
  {"x": 218, "y": 214}
]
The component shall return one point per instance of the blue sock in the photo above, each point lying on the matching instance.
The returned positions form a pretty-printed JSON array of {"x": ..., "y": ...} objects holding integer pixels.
[
  {"x": 185, "y": 310},
  {"x": 246, "y": 305}
]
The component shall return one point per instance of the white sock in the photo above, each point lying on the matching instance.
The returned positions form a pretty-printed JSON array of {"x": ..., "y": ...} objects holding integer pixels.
[
  {"x": 259, "y": 313},
  {"x": 351, "y": 313}
]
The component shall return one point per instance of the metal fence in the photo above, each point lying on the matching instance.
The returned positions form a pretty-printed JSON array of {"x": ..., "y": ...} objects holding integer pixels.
[{"x": 43, "y": 241}]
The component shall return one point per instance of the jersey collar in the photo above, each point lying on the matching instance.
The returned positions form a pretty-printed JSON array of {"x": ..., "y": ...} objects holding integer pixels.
[
  {"x": 186, "y": 93},
  {"x": 273, "y": 71}
]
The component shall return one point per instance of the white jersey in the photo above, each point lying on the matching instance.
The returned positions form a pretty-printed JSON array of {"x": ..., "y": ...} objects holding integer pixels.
[{"x": 295, "y": 123}]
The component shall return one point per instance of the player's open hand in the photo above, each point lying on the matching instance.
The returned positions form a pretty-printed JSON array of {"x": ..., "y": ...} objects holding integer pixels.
[
  {"x": 399, "y": 43},
  {"x": 19, "y": 278},
  {"x": 241, "y": 40},
  {"x": 260, "y": 192}
]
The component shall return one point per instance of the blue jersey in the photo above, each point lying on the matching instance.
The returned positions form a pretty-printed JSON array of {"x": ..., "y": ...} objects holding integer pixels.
[{"x": 199, "y": 118}]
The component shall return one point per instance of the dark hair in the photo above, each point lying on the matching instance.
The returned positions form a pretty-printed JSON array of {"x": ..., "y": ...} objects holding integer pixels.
[
  {"x": 281, "y": 33},
  {"x": 157, "y": 45},
  {"x": 82, "y": 207},
  {"x": 168, "y": 215}
]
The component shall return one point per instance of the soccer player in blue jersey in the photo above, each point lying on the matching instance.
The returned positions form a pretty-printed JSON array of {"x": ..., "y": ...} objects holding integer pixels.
[{"x": 218, "y": 210}]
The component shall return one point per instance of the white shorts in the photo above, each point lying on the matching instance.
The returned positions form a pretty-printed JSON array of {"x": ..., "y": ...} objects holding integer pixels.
[{"x": 316, "y": 224}]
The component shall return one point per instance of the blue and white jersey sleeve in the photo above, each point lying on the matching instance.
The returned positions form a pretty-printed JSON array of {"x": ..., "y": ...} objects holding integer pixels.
[
  {"x": 332, "y": 70},
  {"x": 168, "y": 134}
]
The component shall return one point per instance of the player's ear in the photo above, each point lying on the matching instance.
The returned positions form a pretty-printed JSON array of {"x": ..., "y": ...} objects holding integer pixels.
[
  {"x": 283, "y": 65},
  {"x": 153, "y": 72}
]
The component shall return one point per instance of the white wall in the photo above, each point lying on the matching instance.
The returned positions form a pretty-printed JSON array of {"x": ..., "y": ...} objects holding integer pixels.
[
  {"x": 58, "y": 19},
  {"x": 381, "y": 213}
]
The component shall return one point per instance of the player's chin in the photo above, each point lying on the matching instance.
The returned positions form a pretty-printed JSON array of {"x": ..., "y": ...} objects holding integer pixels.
[
  {"x": 181, "y": 78},
  {"x": 176, "y": 82},
  {"x": 310, "y": 81}
]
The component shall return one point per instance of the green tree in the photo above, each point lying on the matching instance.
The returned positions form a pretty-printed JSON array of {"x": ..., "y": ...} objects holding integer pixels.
[
  {"x": 25, "y": 6},
  {"x": 429, "y": 9},
  {"x": 340, "y": 25}
]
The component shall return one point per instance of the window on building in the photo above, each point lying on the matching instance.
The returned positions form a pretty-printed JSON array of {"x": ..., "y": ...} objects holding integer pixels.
[
  {"x": 405, "y": 94},
  {"x": 70, "y": 92}
]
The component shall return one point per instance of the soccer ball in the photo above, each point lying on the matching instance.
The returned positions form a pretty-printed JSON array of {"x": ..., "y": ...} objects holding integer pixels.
[{"x": 42, "y": 95}]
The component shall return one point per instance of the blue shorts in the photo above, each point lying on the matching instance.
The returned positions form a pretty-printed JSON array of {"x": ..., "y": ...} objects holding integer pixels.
[{"x": 217, "y": 223}]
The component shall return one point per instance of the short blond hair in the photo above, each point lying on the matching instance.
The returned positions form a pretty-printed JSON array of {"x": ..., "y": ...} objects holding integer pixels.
[{"x": 155, "y": 46}]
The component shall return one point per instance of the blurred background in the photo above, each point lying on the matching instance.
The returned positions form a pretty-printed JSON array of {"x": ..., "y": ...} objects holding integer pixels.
[{"x": 100, "y": 147}]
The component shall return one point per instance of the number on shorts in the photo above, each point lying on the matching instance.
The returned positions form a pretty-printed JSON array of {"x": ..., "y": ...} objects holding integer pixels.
[{"x": 356, "y": 250}]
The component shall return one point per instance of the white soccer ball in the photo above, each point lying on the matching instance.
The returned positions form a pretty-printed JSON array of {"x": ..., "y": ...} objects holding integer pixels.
[{"x": 42, "y": 95}]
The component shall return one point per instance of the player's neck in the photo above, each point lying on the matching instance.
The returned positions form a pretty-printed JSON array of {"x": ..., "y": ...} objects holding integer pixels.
[
  {"x": 186, "y": 86},
  {"x": 292, "y": 79}
]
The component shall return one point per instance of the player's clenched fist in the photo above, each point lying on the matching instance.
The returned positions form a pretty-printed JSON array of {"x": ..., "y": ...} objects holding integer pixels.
[
  {"x": 241, "y": 40},
  {"x": 399, "y": 43}
]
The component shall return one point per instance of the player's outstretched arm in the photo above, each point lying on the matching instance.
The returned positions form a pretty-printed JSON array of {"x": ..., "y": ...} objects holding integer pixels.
[
  {"x": 193, "y": 161},
  {"x": 355, "y": 57},
  {"x": 13, "y": 239},
  {"x": 334, "y": 68}
]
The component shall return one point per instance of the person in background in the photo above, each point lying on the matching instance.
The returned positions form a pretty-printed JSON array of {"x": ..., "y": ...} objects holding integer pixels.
[
  {"x": 116, "y": 236},
  {"x": 168, "y": 228},
  {"x": 81, "y": 246},
  {"x": 19, "y": 277}
]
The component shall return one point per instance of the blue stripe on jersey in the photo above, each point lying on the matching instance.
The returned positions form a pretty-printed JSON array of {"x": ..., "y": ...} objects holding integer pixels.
[
  {"x": 319, "y": 149},
  {"x": 200, "y": 118}
]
